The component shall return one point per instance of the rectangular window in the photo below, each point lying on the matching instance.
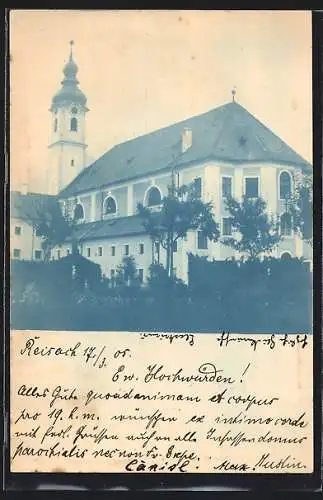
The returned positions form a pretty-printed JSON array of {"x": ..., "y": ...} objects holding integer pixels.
[
  {"x": 68, "y": 251},
  {"x": 227, "y": 226},
  {"x": 126, "y": 249},
  {"x": 141, "y": 248},
  {"x": 58, "y": 254},
  {"x": 113, "y": 251},
  {"x": 88, "y": 252},
  {"x": 251, "y": 190},
  {"x": 226, "y": 187},
  {"x": 157, "y": 247},
  {"x": 100, "y": 251},
  {"x": 141, "y": 276},
  {"x": 18, "y": 230},
  {"x": 38, "y": 254},
  {"x": 16, "y": 253},
  {"x": 201, "y": 240},
  {"x": 175, "y": 246},
  {"x": 198, "y": 187}
]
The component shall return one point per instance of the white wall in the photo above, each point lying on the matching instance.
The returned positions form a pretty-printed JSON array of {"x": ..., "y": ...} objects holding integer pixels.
[
  {"x": 61, "y": 171},
  {"x": 211, "y": 174},
  {"x": 27, "y": 242},
  {"x": 66, "y": 147}
]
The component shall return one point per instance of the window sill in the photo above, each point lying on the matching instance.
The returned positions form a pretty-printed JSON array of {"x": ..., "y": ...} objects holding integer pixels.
[
  {"x": 287, "y": 237},
  {"x": 285, "y": 199},
  {"x": 110, "y": 216},
  {"x": 154, "y": 208}
]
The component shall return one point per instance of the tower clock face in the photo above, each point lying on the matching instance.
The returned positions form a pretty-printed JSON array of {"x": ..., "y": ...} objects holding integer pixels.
[{"x": 74, "y": 111}]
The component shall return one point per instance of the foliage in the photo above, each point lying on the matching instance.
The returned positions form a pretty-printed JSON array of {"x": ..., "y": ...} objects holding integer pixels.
[
  {"x": 245, "y": 285},
  {"x": 126, "y": 272},
  {"x": 258, "y": 234},
  {"x": 158, "y": 277},
  {"x": 301, "y": 208},
  {"x": 279, "y": 299},
  {"x": 55, "y": 280},
  {"x": 180, "y": 212},
  {"x": 53, "y": 227},
  {"x": 159, "y": 282}
]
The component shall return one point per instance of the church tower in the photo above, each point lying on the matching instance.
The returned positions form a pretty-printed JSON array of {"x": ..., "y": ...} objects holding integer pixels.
[{"x": 67, "y": 148}]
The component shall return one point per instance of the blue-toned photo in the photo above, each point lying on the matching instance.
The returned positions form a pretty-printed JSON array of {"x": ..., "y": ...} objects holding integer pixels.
[{"x": 161, "y": 176}]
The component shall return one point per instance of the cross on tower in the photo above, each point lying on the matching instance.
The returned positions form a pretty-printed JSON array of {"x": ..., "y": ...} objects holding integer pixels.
[
  {"x": 233, "y": 92},
  {"x": 71, "y": 44}
]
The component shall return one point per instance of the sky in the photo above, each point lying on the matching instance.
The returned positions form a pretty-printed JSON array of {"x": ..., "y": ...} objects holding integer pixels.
[{"x": 143, "y": 70}]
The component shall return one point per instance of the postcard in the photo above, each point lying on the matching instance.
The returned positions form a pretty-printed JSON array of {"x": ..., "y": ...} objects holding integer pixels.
[{"x": 161, "y": 242}]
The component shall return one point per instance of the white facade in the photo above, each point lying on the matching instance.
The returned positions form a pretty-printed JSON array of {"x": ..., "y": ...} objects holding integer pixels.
[
  {"x": 24, "y": 243},
  {"x": 213, "y": 176},
  {"x": 67, "y": 148}
]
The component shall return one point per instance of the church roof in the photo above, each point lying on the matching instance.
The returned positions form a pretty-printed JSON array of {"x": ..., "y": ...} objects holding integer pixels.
[
  {"x": 30, "y": 206},
  {"x": 112, "y": 228},
  {"x": 227, "y": 133}
]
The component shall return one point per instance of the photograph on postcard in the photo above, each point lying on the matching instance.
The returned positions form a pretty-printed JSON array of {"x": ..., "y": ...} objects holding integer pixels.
[{"x": 161, "y": 248}]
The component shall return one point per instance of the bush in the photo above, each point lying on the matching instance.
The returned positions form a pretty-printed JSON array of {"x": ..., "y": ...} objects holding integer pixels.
[
  {"x": 55, "y": 280},
  {"x": 269, "y": 296}
]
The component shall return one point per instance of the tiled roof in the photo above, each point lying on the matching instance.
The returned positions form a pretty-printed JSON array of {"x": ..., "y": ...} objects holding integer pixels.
[
  {"x": 30, "y": 206},
  {"x": 112, "y": 228},
  {"x": 228, "y": 133}
]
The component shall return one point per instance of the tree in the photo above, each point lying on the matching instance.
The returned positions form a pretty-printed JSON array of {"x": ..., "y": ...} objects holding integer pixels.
[
  {"x": 53, "y": 227},
  {"x": 127, "y": 271},
  {"x": 301, "y": 209},
  {"x": 180, "y": 212},
  {"x": 258, "y": 234}
]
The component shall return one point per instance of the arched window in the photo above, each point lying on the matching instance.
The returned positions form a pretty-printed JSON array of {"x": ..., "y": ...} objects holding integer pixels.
[
  {"x": 78, "y": 212},
  {"x": 110, "y": 206},
  {"x": 285, "y": 186},
  {"x": 286, "y": 225},
  {"x": 153, "y": 197},
  {"x": 73, "y": 124},
  {"x": 285, "y": 256}
]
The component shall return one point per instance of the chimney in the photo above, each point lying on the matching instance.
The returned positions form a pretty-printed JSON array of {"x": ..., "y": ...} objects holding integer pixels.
[{"x": 186, "y": 139}]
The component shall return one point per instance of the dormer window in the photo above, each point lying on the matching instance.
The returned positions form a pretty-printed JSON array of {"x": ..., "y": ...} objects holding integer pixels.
[
  {"x": 109, "y": 206},
  {"x": 73, "y": 126},
  {"x": 153, "y": 197}
]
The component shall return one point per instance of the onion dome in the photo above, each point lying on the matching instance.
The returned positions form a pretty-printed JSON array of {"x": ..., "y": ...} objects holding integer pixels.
[{"x": 70, "y": 93}]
